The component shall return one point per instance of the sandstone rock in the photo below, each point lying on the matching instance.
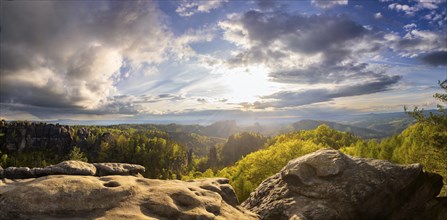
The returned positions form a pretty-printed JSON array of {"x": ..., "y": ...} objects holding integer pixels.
[
  {"x": 221, "y": 186},
  {"x": 105, "y": 169},
  {"x": 71, "y": 167},
  {"x": 18, "y": 173},
  {"x": 114, "y": 197},
  {"x": 330, "y": 185}
]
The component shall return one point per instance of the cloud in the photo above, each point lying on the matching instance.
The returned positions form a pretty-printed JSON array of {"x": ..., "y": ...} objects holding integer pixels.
[
  {"x": 409, "y": 27},
  {"x": 405, "y": 8},
  {"x": 304, "y": 49},
  {"x": 286, "y": 99},
  {"x": 158, "y": 98},
  {"x": 189, "y": 8},
  {"x": 71, "y": 54},
  {"x": 437, "y": 58},
  {"x": 328, "y": 3},
  {"x": 415, "y": 6},
  {"x": 326, "y": 73},
  {"x": 417, "y": 42},
  {"x": 378, "y": 15},
  {"x": 267, "y": 4},
  {"x": 181, "y": 48}
]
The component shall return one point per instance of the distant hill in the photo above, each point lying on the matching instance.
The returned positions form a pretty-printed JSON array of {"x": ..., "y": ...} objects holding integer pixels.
[
  {"x": 388, "y": 123},
  {"x": 220, "y": 129},
  {"x": 358, "y": 131}
]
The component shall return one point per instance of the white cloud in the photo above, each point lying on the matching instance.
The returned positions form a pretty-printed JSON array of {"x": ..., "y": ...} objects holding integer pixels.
[
  {"x": 409, "y": 27},
  {"x": 181, "y": 48},
  {"x": 416, "y": 6},
  {"x": 378, "y": 15},
  {"x": 189, "y": 8},
  {"x": 328, "y": 3},
  {"x": 69, "y": 54},
  {"x": 417, "y": 42}
]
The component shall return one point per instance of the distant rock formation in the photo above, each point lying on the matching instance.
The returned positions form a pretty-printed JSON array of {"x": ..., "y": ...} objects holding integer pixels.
[
  {"x": 330, "y": 185},
  {"x": 118, "y": 197},
  {"x": 19, "y": 136},
  {"x": 73, "y": 167}
]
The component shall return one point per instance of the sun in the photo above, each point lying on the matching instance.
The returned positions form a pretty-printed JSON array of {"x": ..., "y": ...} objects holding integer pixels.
[{"x": 248, "y": 84}]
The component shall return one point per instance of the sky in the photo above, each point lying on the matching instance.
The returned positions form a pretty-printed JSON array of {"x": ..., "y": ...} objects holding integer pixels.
[{"x": 203, "y": 61}]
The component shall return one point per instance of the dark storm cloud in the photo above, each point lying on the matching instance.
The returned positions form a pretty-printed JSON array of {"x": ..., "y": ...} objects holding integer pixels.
[
  {"x": 299, "y": 98},
  {"x": 301, "y": 33},
  {"x": 438, "y": 58},
  {"x": 68, "y": 54}
]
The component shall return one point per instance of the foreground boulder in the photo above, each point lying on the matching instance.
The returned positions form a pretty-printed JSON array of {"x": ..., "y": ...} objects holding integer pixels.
[
  {"x": 330, "y": 185},
  {"x": 73, "y": 167},
  {"x": 118, "y": 197}
]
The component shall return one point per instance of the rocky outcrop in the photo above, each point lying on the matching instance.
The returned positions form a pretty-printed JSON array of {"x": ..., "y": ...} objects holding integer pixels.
[
  {"x": 322, "y": 185},
  {"x": 20, "y": 136},
  {"x": 118, "y": 197},
  {"x": 73, "y": 167},
  {"x": 105, "y": 169},
  {"x": 330, "y": 185}
]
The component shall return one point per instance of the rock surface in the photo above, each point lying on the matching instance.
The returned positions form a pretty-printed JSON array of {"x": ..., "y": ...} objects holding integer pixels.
[
  {"x": 118, "y": 197},
  {"x": 73, "y": 167},
  {"x": 330, "y": 185},
  {"x": 104, "y": 169}
]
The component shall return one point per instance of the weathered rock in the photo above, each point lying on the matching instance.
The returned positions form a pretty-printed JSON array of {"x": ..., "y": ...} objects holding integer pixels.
[
  {"x": 71, "y": 167},
  {"x": 18, "y": 173},
  {"x": 115, "y": 197},
  {"x": 74, "y": 167},
  {"x": 105, "y": 169},
  {"x": 221, "y": 186},
  {"x": 330, "y": 185}
]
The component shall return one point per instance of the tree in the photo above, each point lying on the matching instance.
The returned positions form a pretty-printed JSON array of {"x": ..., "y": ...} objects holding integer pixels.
[
  {"x": 239, "y": 145},
  {"x": 437, "y": 119},
  {"x": 77, "y": 154}
]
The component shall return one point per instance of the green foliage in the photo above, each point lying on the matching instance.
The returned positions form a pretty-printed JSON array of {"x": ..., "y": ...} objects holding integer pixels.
[
  {"x": 251, "y": 170},
  {"x": 76, "y": 154},
  {"x": 438, "y": 118},
  {"x": 419, "y": 143},
  {"x": 3, "y": 159},
  {"x": 162, "y": 157},
  {"x": 30, "y": 159},
  {"x": 239, "y": 145}
]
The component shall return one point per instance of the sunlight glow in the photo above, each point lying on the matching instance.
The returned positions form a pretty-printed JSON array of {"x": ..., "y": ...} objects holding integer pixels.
[{"x": 248, "y": 84}]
